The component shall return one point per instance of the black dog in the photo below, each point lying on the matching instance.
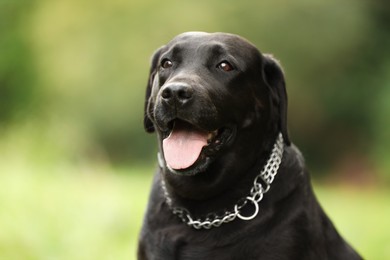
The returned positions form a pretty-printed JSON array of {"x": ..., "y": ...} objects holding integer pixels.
[{"x": 230, "y": 184}]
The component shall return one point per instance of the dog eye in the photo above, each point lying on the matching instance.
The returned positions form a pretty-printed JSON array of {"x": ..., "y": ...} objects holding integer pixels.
[
  {"x": 225, "y": 66},
  {"x": 165, "y": 63}
]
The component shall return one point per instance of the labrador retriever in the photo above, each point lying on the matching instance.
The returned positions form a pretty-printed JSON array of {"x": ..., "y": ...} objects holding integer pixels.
[{"x": 230, "y": 184}]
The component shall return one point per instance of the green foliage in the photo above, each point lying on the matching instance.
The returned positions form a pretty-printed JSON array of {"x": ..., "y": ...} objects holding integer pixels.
[
  {"x": 17, "y": 72},
  {"x": 80, "y": 68},
  {"x": 382, "y": 124}
]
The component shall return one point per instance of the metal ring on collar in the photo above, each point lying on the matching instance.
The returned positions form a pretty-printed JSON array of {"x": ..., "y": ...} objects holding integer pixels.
[{"x": 254, "y": 213}]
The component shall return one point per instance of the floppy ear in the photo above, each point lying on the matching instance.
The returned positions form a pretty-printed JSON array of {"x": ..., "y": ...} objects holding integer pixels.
[
  {"x": 274, "y": 77},
  {"x": 148, "y": 124}
]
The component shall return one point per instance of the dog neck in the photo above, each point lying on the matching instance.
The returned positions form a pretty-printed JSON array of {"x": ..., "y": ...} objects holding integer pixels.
[{"x": 261, "y": 185}]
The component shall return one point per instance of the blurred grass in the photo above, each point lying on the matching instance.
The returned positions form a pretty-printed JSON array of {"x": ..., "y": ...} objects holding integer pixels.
[
  {"x": 66, "y": 215},
  {"x": 84, "y": 214},
  {"x": 361, "y": 216}
]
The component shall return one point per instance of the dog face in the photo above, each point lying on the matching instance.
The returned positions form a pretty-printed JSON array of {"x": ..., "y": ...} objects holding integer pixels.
[{"x": 217, "y": 105}]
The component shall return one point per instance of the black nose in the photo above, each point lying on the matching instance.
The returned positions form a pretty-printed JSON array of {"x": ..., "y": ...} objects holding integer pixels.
[{"x": 178, "y": 93}]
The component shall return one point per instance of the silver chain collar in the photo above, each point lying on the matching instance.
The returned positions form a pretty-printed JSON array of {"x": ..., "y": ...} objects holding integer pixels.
[{"x": 257, "y": 192}]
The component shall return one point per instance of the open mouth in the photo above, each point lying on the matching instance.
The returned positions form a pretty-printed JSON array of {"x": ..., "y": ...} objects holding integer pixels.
[{"x": 186, "y": 146}]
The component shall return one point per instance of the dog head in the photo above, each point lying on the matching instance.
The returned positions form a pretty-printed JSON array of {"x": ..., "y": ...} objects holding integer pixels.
[{"x": 217, "y": 105}]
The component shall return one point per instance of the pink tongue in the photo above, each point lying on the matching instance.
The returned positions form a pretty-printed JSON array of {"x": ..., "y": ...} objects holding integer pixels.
[{"x": 183, "y": 146}]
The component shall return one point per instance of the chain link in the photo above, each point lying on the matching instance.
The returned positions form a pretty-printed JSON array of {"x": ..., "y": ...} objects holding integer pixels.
[{"x": 266, "y": 177}]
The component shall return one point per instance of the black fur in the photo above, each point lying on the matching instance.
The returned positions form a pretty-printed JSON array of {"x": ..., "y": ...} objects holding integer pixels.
[{"x": 250, "y": 104}]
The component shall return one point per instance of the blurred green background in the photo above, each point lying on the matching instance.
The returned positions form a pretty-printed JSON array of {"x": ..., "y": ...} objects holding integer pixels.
[{"x": 76, "y": 164}]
